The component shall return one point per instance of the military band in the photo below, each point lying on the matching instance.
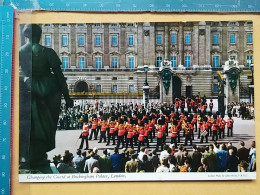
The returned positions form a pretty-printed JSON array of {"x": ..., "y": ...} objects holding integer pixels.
[{"x": 136, "y": 126}]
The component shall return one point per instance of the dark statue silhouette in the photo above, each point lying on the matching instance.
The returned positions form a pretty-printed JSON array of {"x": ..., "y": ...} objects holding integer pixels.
[{"x": 41, "y": 85}]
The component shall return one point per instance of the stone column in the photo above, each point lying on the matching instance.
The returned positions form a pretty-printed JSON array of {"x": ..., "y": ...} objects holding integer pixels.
[
  {"x": 181, "y": 44},
  {"x": 207, "y": 44},
  {"x": 107, "y": 42},
  {"x": 73, "y": 45},
  {"x": 152, "y": 41},
  {"x": 89, "y": 43},
  {"x": 202, "y": 45},
  {"x": 224, "y": 42},
  {"x": 166, "y": 41},
  {"x": 122, "y": 45},
  {"x": 140, "y": 44},
  {"x": 195, "y": 43},
  {"x": 241, "y": 41},
  {"x": 56, "y": 38}
]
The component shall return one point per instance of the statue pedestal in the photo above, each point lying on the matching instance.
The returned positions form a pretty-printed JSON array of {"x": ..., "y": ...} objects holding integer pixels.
[
  {"x": 232, "y": 76},
  {"x": 166, "y": 73},
  {"x": 165, "y": 98}
]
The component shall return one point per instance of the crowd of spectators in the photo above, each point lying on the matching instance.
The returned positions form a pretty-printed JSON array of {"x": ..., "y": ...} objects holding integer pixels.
[{"x": 214, "y": 158}]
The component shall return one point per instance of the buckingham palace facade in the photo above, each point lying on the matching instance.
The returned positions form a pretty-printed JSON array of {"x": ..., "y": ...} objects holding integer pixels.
[{"x": 106, "y": 59}]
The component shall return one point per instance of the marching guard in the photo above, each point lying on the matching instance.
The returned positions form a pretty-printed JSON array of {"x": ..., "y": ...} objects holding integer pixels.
[
  {"x": 230, "y": 123},
  {"x": 84, "y": 136}
]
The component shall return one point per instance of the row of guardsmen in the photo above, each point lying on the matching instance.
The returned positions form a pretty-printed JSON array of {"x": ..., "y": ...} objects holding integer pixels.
[{"x": 137, "y": 132}]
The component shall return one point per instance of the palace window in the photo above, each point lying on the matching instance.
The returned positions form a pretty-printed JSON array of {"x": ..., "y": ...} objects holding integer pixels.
[
  {"x": 232, "y": 38},
  {"x": 158, "y": 61},
  {"x": 249, "y": 60},
  {"x": 64, "y": 40},
  {"x": 114, "y": 88},
  {"x": 98, "y": 40},
  {"x": 81, "y": 62},
  {"x": 174, "y": 61},
  {"x": 98, "y": 62},
  {"x": 47, "y": 40},
  {"x": 215, "y": 39},
  {"x": 159, "y": 39},
  {"x": 215, "y": 61},
  {"x": 187, "y": 38},
  {"x": 249, "y": 38},
  {"x": 131, "y": 88},
  {"x": 131, "y": 62},
  {"x": 130, "y": 40},
  {"x": 173, "y": 38},
  {"x": 81, "y": 40},
  {"x": 98, "y": 88},
  {"x": 114, "y": 40},
  {"x": 65, "y": 62},
  {"x": 114, "y": 62},
  {"x": 187, "y": 61}
]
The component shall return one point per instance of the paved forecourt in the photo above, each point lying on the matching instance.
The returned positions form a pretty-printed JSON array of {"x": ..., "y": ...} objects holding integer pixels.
[{"x": 69, "y": 139}]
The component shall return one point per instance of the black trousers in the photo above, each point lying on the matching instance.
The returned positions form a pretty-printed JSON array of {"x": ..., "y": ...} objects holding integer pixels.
[
  {"x": 120, "y": 139},
  {"x": 221, "y": 131},
  {"x": 111, "y": 135},
  {"x": 202, "y": 138},
  {"x": 159, "y": 144},
  {"x": 215, "y": 134},
  {"x": 131, "y": 141},
  {"x": 102, "y": 136},
  {"x": 188, "y": 138},
  {"x": 231, "y": 131},
  {"x": 139, "y": 145},
  {"x": 93, "y": 131},
  {"x": 84, "y": 138}
]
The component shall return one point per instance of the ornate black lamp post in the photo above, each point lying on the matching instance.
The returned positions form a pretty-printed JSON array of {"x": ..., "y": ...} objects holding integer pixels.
[
  {"x": 146, "y": 88},
  {"x": 251, "y": 87}
]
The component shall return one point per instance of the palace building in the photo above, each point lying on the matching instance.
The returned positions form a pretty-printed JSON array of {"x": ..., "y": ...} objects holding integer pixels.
[{"x": 107, "y": 60}]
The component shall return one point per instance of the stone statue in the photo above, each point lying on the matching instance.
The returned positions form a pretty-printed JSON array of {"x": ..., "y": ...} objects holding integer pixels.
[
  {"x": 233, "y": 76},
  {"x": 166, "y": 77},
  {"x": 43, "y": 83}
]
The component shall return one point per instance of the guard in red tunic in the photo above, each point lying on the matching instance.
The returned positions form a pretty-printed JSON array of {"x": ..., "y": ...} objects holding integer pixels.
[
  {"x": 222, "y": 126},
  {"x": 94, "y": 127},
  {"x": 151, "y": 129},
  {"x": 146, "y": 134},
  {"x": 84, "y": 135},
  {"x": 174, "y": 131},
  {"x": 230, "y": 123},
  {"x": 159, "y": 137},
  {"x": 209, "y": 123},
  {"x": 140, "y": 136},
  {"x": 103, "y": 129},
  {"x": 215, "y": 127},
  {"x": 111, "y": 133},
  {"x": 204, "y": 130},
  {"x": 121, "y": 133},
  {"x": 194, "y": 122},
  {"x": 130, "y": 135}
]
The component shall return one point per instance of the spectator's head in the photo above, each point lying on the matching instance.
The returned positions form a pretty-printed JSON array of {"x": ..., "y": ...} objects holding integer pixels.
[
  {"x": 253, "y": 144},
  {"x": 84, "y": 154},
  {"x": 105, "y": 151},
  {"x": 180, "y": 147},
  {"x": 187, "y": 163},
  {"x": 242, "y": 143},
  {"x": 211, "y": 147},
  {"x": 243, "y": 166},
  {"x": 95, "y": 150},
  {"x": 171, "y": 160},
  {"x": 116, "y": 150},
  {"x": 164, "y": 162},
  {"x": 67, "y": 159},
  {"x": 165, "y": 147},
  {"x": 79, "y": 152},
  {"x": 133, "y": 156},
  {"x": 145, "y": 158},
  {"x": 96, "y": 170},
  {"x": 92, "y": 154},
  {"x": 131, "y": 151},
  {"x": 142, "y": 149},
  {"x": 231, "y": 152},
  {"x": 154, "y": 152},
  {"x": 194, "y": 147},
  {"x": 229, "y": 144}
]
